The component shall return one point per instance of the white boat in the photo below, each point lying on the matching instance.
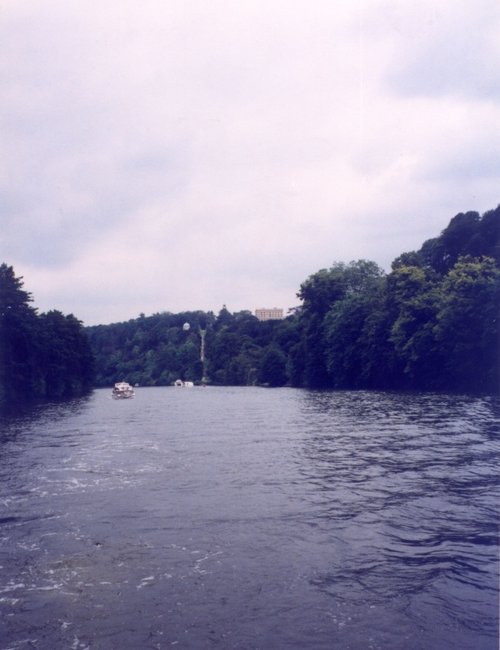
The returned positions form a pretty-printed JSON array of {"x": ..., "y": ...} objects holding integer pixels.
[
  {"x": 122, "y": 390},
  {"x": 183, "y": 384}
]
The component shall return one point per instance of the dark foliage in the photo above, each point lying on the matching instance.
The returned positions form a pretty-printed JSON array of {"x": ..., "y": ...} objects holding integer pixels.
[
  {"x": 430, "y": 324},
  {"x": 157, "y": 350},
  {"x": 41, "y": 356}
]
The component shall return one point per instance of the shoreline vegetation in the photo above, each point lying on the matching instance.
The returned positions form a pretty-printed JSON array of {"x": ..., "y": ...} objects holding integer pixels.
[
  {"x": 42, "y": 356},
  {"x": 431, "y": 323}
]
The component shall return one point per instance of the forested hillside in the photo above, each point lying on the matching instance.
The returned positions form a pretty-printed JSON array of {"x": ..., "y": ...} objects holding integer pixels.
[
  {"x": 41, "y": 355},
  {"x": 432, "y": 323}
]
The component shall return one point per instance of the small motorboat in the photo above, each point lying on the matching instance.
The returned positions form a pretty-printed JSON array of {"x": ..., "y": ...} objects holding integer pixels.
[
  {"x": 122, "y": 390},
  {"x": 183, "y": 384}
]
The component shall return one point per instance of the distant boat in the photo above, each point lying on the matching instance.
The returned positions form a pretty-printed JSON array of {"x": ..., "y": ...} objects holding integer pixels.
[
  {"x": 183, "y": 384},
  {"x": 122, "y": 390}
]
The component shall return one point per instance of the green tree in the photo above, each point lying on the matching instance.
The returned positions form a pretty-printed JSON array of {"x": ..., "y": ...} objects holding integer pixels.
[
  {"x": 273, "y": 367},
  {"x": 466, "y": 234},
  {"x": 19, "y": 340},
  {"x": 40, "y": 356},
  {"x": 467, "y": 325},
  {"x": 431, "y": 324},
  {"x": 344, "y": 327},
  {"x": 322, "y": 289},
  {"x": 414, "y": 294},
  {"x": 320, "y": 293},
  {"x": 66, "y": 357},
  {"x": 381, "y": 366},
  {"x": 488, "y": 237},
  {"x": 296, "y": 364}
]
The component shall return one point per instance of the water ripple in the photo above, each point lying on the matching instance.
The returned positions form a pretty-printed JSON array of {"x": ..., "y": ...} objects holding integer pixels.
[{"x": 251, "y": 518}]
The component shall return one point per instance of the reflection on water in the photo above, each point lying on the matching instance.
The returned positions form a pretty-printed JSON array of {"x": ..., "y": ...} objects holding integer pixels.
[
  {"x": 251, "y": 518},
  {"x": 23, "y": 418}
]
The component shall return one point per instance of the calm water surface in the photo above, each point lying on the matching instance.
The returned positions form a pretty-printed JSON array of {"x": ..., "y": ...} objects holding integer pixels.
[{"x": 251, "y": 518}]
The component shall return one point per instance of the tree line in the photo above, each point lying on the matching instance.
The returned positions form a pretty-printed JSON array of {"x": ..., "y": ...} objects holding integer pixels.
[
  {"x": 432, "y": 323},
  {"x": 42, "y": 356}
]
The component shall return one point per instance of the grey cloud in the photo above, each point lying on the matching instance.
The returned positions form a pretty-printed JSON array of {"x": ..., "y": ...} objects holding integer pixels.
[
  {"x": 456, "y": 53},
  {"x": 464, "y": 69},
  {"x": 180, "y": 155}
]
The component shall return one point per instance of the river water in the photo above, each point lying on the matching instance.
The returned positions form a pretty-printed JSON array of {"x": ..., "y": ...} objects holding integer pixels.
[{"x": 251, "y": 518}]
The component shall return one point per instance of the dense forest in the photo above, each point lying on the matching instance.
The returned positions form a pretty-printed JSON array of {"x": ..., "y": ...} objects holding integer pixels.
[
  {"x": 432, "y": 323},
  {"x": 41, "y": 355}
]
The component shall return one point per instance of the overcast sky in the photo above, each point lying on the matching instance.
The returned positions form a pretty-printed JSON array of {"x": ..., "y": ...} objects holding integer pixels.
[{"x": 171, "y": 155}]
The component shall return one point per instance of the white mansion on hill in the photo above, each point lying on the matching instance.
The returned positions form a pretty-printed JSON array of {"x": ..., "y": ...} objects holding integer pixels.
[{"x": 269, "y": 314}]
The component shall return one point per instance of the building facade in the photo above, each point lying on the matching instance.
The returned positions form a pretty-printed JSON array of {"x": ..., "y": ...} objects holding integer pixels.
[{"x": 265, "y": 313}]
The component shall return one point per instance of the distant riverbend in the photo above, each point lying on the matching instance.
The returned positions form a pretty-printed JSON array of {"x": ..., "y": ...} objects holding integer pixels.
[{"x": 251, "y": 518}]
